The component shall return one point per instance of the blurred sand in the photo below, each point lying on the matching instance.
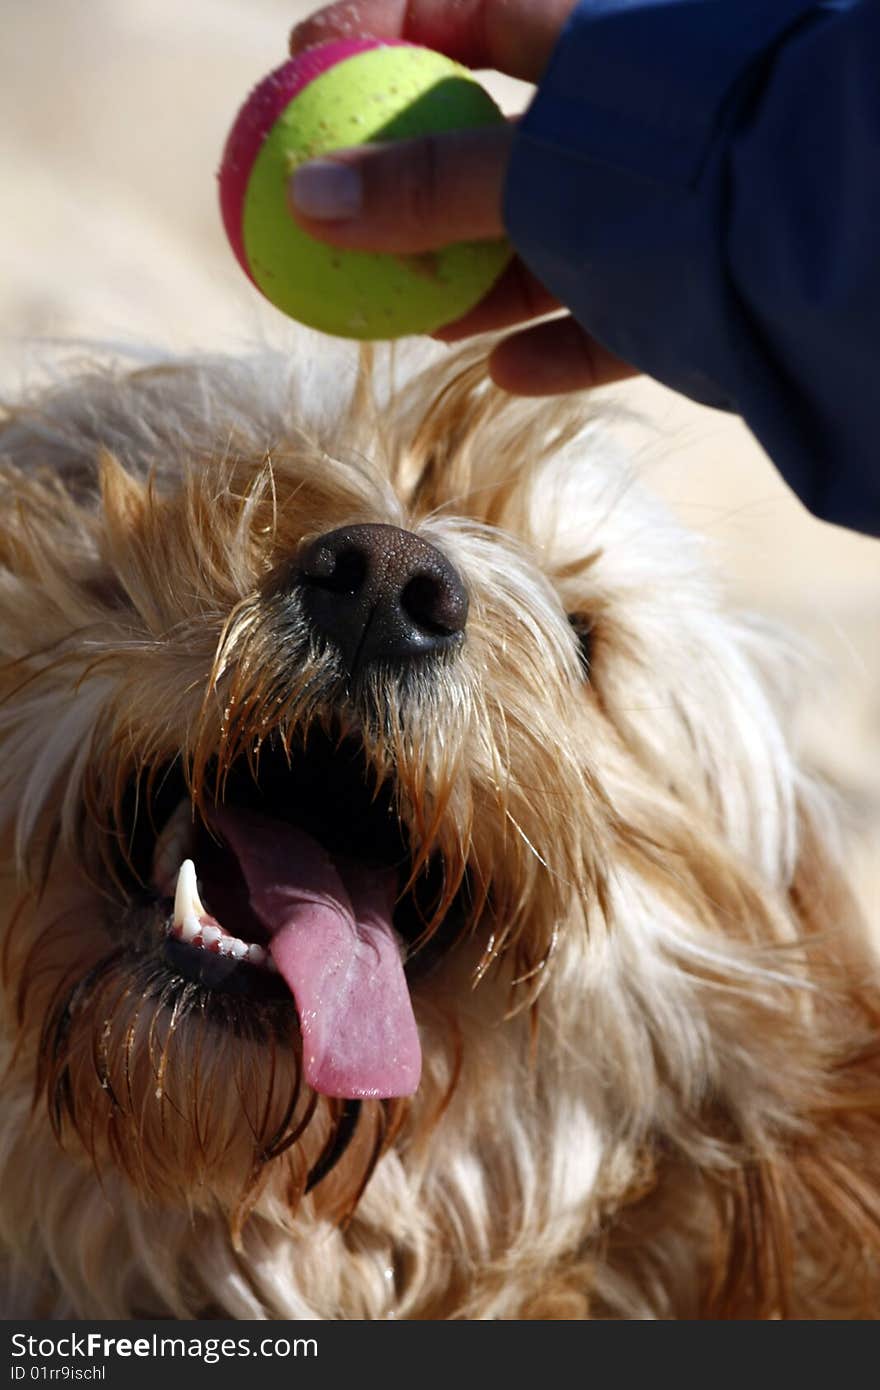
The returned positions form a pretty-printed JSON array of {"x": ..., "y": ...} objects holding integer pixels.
[{"x": 112, "y": 116}]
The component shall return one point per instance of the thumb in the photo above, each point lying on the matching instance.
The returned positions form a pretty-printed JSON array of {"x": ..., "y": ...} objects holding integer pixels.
[{"x": 408, "y": 196}]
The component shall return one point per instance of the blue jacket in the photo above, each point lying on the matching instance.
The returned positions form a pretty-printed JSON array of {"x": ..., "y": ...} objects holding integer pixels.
[{"x": 699, "y": 182}]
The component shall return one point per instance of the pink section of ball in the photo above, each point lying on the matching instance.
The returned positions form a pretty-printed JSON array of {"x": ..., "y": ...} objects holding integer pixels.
[{"x": 260, "y": 112}]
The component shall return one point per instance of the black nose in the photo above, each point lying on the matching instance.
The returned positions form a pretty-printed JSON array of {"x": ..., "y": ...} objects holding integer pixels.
[{"x": 381, "y": 593}]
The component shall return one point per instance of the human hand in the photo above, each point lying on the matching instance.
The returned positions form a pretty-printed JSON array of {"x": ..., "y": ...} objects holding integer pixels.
[{"x": 412, "y": 196}]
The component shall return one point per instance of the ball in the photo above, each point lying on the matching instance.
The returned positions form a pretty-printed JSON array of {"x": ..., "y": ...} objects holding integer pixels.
[{"x": 333, "y": 96}]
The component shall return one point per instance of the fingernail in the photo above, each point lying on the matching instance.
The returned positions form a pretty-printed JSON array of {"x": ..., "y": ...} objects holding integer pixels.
[{"x": 326, "y": 190}]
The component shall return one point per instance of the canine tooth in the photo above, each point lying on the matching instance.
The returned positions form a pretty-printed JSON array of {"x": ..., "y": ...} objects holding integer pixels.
[
  {"x": 188, "y": 907},
  {"x": 188, "y": 929},
  {"x": 211, "y": 935}
]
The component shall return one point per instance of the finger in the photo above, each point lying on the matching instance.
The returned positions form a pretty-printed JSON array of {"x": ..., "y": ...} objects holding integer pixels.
[
  {"x": 553, "y": 358},
  {"x": 408, "y": 196},
  {"x": 516, "y": 296},
  {"x": 514, "y": 36}
]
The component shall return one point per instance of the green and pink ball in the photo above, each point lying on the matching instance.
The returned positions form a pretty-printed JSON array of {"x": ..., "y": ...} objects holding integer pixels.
[{"x": 331, "y": 97}]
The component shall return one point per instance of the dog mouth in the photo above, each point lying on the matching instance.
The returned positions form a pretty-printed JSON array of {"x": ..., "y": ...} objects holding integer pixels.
[{"x": 294, "y": 882}]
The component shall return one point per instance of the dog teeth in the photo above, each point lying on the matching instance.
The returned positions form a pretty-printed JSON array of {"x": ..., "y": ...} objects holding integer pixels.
[
  {"x": 188, "y": 930},
  {"x": 188, "y": 908},
  {"x": 193, "y": 924}
]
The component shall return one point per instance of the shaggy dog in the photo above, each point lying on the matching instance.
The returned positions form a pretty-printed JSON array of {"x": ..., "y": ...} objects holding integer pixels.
[{"x": 414, "y": 906}]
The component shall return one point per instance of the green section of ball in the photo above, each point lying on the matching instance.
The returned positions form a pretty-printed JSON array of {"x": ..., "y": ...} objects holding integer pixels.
[{"x": 384, "y": 94}]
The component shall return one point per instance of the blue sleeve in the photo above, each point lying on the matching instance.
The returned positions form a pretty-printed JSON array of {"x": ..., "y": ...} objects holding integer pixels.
[{"x": 699, "y": 182}]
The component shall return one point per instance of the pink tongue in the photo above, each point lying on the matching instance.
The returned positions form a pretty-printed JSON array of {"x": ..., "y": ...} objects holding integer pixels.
[{"x": 334, "y": 945}]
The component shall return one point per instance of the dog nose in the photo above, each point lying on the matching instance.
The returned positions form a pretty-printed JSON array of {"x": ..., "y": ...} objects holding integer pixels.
[{"x": 378, "y": 592}]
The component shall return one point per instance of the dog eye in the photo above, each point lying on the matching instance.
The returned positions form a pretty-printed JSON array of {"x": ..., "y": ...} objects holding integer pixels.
[{"x": 582, "y": 626}]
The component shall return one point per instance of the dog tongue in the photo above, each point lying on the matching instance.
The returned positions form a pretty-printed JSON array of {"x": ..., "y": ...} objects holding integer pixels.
[{"x": 334, "y": 945}]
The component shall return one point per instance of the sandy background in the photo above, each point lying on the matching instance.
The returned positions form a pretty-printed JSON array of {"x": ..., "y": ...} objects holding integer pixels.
[{"x": 112, "y": 116}]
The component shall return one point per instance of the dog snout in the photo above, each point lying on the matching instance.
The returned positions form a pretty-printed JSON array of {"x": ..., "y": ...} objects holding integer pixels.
[{"x": 380, "y": 593}]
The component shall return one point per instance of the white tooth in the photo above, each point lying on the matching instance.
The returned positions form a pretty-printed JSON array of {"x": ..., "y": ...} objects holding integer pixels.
[
  {"x": 238, "y": 949},
  {"x": 225, "y": 946},
  {"x": 187, "y": 903},
  {"x": 256, "y": 955},
  {"x": 211, "y": 935},
  {"x": 189, "y": 928}
]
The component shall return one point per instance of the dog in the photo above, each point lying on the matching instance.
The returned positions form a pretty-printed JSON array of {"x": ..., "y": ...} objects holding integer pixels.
[{"x": 415, "y": 905}]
